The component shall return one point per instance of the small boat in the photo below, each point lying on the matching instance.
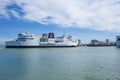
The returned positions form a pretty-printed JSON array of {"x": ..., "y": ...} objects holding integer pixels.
[{"x": 118, "y": 41}]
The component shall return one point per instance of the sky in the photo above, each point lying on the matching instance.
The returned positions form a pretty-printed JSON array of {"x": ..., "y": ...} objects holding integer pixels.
[{"x": 83, "y": 19}]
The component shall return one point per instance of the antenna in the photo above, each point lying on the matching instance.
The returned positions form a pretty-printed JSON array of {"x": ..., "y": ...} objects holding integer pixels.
[{"x": 64, "y": 34}]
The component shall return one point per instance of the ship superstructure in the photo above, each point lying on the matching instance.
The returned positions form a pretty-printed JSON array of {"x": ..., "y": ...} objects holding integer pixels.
[
  {"x": 27, "y": 40},
  {"x": 118, "y": 41}
]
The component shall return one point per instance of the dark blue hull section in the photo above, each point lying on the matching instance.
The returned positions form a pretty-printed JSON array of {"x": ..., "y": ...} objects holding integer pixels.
[
  {"x": 38, "y": 46},
  {"x": 118, "y": 44}
]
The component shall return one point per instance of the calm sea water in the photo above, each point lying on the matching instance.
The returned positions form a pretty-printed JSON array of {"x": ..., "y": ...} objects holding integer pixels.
[{"x": 83, "y": 63}]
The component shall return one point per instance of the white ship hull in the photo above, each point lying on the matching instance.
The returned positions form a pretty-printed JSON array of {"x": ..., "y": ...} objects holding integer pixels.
[
  {"x": 25, "y": 40},
  {"x": 35, "y": 45}
]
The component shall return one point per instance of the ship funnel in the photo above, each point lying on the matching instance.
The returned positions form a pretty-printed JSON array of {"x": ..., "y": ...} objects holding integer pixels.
[{"x": 51, "y": 35}]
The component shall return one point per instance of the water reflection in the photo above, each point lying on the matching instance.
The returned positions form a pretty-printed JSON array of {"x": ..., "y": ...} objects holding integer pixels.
[{"x": 60, "y": 64}]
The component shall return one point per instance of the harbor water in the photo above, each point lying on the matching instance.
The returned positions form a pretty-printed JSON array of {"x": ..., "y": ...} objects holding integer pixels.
[{"x": 78, "y": 63}]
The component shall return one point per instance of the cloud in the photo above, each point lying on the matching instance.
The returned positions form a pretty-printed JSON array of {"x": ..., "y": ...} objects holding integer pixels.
[
  {"x": 91, "y": 14},
  {"x": 3, "y": 11}
]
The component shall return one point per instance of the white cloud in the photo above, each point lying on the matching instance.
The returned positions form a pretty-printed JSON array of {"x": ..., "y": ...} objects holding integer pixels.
[
  {"x": 92, "y": 14},
  {"x": 3, "y": 11}
]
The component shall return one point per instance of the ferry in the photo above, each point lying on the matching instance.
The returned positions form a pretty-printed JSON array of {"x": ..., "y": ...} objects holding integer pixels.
[
  {"x": 118, "y": 41},
  {"x": 28, "y": 40}
]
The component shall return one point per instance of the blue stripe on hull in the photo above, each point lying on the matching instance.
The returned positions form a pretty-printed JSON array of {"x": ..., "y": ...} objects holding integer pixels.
[{"x": 38, "y": 46}]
